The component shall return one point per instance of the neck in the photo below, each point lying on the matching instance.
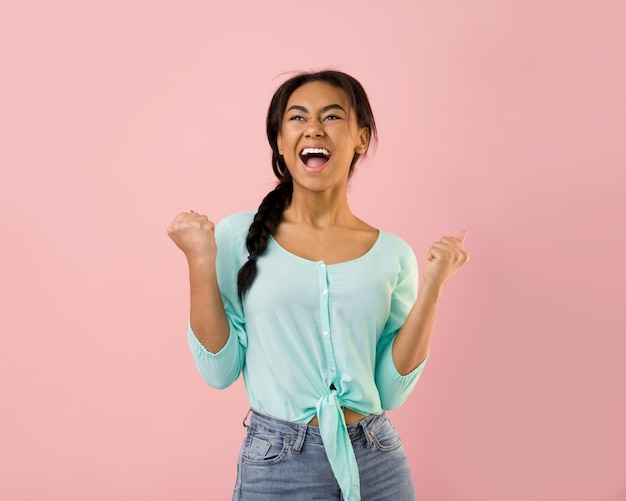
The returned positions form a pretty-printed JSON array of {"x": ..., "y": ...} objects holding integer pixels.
[{"x": 319, "y": 209}]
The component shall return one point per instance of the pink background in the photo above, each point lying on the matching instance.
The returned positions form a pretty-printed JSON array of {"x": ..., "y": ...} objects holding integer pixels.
[{"x": 505, "y": 118}]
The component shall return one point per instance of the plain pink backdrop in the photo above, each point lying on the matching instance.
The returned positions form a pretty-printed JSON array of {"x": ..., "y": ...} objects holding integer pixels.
[{"x": 505, "y": 118}]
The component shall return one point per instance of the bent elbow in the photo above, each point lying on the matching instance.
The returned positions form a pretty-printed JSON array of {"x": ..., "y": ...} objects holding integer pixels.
[
  {"x": 217, "y": 381},
  {"x": 389, "y": 404}
]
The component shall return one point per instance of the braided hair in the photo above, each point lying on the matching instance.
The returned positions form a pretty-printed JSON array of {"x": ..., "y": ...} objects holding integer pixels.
[{"x": 269, "y": 213}]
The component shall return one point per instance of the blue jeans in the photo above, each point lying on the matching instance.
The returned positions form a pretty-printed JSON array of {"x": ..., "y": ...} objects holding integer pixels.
[{"x": 281, "y": 460}]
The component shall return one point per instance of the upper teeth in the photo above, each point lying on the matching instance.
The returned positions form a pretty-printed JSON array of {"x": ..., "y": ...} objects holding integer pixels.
[{"x": 310, "y": 151}]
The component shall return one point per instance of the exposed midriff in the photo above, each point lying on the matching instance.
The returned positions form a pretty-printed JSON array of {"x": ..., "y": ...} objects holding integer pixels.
[{"x": 350, "y": 416}]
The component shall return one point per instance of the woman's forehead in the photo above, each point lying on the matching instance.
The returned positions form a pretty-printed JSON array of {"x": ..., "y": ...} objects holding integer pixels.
[{"x": 318, "y": 95}]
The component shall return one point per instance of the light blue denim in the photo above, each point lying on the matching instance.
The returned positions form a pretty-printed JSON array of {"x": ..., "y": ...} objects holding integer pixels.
[{"x": 281, "y": 460}]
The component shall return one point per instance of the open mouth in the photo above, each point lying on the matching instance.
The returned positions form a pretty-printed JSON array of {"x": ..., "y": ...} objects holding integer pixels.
[{"x": 314, "y": 157}]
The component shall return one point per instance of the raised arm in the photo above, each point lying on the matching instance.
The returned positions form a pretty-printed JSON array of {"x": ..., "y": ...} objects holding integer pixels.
[
  {"x": 412, "y": 343},
  {"x": 194, "y": 234}
]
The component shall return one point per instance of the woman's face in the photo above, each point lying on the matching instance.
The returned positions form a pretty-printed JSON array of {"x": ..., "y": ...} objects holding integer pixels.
[{"x": 319, "y": 136}]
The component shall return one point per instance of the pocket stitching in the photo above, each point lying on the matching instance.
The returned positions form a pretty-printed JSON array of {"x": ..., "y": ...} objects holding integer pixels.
[
  {"x": 379, "y": 445},
  {"x": 265, "y": 462}
]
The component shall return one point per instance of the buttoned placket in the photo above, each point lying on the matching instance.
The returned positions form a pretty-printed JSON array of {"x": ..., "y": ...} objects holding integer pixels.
[
  {"x": 332, "y": 425},
  {"x": 326, "y": 334}
]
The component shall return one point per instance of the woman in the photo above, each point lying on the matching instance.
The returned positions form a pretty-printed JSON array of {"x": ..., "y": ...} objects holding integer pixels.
[{"x": 318, "y": 309}]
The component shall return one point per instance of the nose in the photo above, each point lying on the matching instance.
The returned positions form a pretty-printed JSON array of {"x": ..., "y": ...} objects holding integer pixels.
[{"x": 314, "y": 129}]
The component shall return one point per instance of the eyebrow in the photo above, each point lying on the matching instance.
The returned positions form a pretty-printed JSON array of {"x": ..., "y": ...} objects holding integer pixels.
[{"x": 324, "y": 109}]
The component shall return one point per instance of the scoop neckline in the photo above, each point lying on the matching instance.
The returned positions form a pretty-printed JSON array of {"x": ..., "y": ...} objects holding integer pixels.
[{"x": 321, "y": 261}]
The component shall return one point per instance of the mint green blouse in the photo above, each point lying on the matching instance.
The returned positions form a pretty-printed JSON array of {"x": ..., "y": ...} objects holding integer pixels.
[{"x": 311, "y": 338}]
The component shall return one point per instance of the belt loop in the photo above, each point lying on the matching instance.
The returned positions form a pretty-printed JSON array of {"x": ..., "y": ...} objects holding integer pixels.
[
  {"x": 368, "y": 434},
  {"x": 246, "y": 418},
  {"x": 300, "y": 440}
]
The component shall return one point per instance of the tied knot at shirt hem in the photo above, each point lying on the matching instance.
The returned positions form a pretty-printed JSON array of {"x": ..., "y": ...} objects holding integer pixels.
[{"x": 338, "y": 446}]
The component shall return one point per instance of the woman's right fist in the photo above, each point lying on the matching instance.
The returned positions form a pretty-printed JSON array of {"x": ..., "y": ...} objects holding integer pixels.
[{"x": 193, "y": 233}]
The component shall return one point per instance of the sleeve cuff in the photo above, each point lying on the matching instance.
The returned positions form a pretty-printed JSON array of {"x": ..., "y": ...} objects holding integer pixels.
[
  {"x": 197, "y": 346},
  {"x": 415, "y": 373},
  {"x": 393, "y": 387}
]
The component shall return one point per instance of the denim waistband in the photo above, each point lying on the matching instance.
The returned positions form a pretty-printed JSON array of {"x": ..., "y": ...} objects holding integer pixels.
[{"x": 363, "y": 427}]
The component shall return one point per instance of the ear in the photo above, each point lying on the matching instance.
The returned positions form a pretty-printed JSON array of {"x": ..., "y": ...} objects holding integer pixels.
[
  {"x": 279, "y": 141},
  {"x": 363, "y": 140}
]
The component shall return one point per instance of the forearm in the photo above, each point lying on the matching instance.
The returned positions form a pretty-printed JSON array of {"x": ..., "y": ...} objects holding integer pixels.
[
  {"x": 412, "y": 343},
  {"x": 208, "y": 319}
]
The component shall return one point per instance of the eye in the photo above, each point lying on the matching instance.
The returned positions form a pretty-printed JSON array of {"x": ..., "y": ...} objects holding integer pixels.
[
  {"x": 296, "y": 117},
  {"x": 332, "y": 117}
]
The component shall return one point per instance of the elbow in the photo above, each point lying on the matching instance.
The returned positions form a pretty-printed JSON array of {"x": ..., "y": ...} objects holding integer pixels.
[
  {"x": 389, "y": 404},
  {"x": 219, "y": 383},
  {"x": 221, "y": 369},
  {"x": 219, "y": 376}
]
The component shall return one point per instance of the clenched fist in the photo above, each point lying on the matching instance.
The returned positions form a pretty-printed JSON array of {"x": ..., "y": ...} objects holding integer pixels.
[
  {"x": 446, "y": 257},
  {"x": 193, "y": 233}
]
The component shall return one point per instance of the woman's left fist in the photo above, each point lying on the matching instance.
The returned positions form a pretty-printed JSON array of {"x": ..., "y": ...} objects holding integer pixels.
[{"x": 446, "y": 257}]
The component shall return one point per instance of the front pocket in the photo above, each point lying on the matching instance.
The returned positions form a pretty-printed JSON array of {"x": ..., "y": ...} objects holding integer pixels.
[
  {"x": 264, "y": 448},
  {"x": 386, "y": 437}
]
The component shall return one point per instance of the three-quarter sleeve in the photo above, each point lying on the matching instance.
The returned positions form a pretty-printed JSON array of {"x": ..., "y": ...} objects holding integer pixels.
[
  {"x": 393, "y": 387},
  {"x": 221, "y": 369}
]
